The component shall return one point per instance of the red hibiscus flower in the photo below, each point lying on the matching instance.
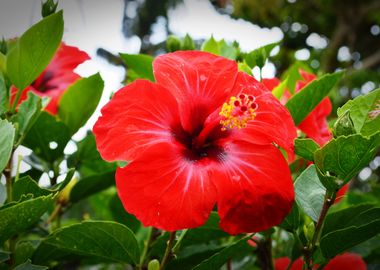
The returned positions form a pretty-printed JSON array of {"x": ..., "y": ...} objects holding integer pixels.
[
  {"x": 203, "y": 134},
  {"x": 315, "y": 124},
  {"x": 56, "y": 78},
  {"x": 346, "y": 261}
]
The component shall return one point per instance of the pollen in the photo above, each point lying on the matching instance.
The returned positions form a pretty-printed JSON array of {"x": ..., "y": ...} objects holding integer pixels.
[{"x": 238, "y": 112}]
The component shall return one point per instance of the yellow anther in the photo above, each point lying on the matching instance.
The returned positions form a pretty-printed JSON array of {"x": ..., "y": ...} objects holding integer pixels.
[{"x": 238, "y": 112}]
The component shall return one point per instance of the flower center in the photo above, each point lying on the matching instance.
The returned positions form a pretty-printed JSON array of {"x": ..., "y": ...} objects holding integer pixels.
[{"x": 238, "y": 112}]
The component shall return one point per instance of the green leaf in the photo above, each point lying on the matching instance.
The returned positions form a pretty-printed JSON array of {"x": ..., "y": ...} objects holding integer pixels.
[
  {"x": 345, "y": 156},
  {"x": 87, "y": 159},
  {"x": 310, "y": 192},
  {"x": 7, "y": 132},
  {"x": 173, "y": 43},
  {"x": 305, "y": 148},
  {"x": 24, "y": 251},
  {"x": 279, "y": 90},
  {"x": 34, "y": 50},
  {"x": 259, "y": 56},
  {"x": 217, "y": 260},
  {"x": 4, "y": 256},
  {"x": 302, "y": 103},
  {"x": 349, "y": 227},
  {"x": 28, "y": 113},
  {"x": 292, "y": 75},
  {"x": 3, "y": 194},
  {"x": 140, "y": 64},
  {"x": 104, "y": 240},
  {"x": 292, "y": 220},
  {"x": 79, "y": 101},
  {"x": 242, "y": 66},
  {"x": 344, "y": 125},
  {"x": 4, "y": 102},
  {"x": 363, "y": 112},
  {"x": 29, "y": 266},
  {"x": 90, "y": 185},
  {"x": 211, "y": 45},
  {"x": 207, "y": 232},
  {"x": 20, "y": 216},
  {"x": 26, "y": 185},
  {"x": 187, "y": 43},
  {"x": 220, "y": 48},
  {"x": 48, "y": 137},
  {"x": 121, "y": 216}
]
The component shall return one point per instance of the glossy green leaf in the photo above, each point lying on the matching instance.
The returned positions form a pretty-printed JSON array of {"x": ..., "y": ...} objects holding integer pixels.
[
  {"x": 121, "y": 216},
  {"x": 24, "y": 251},
  {"x": 207, "y": 232},
  {"x": 4, "y": 102},
  {"x": 305, "y": 148},
  {"x": 292, "y": 75},
  {"x": 345, "y": 156},
  {"x": 187, "y": 43},
  {"x": 28, "y": 113},
  {"x": 210, "y": 45},
  {"x": 87, "y": 159},
  {"x": 26, "y": 185},
  {"x": 48, "y": 137},
  {"x": 349, "y": 227},
  {"x": 364, "y": 112},
  {"x": 310, "y": 192},
  {"x": 217, "y": 260},
  {"x": 100, "y": 239},
  {"x": 3, "y": 194},
  {"x": 279, "y": 90},
  {"x": 173, "y": 43},
  {"x": 220, "y": 48},
  {"x": 92, "y": 184},
  {"x": 259, "y": 56},
  {"x": 344, "y": 126},
  {"x": 140, "y": 64},
  {"x": 4, "y": 256},
  {"x": 29, "y": 266},
  {"x": 34, "y": 50},
  {"x": 79, "y": 101},
  {"x": 302, "y": 103},
  {"x": 20, "y": 216},
  {"x": 242, "y": 66},
  {"x": 292, "y": 220},
  {"x": 7, "y": 132}
]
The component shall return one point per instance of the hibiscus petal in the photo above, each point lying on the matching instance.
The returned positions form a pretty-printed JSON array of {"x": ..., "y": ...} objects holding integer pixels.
[
  {"x": 315, "y": 125},
  {"x": 200, "y": 81},
  {"x": 164, "y": 190},
  {"x": 273, "y": 122},
  {"x": 67, "y": 59},
  {"x": 255, "y": 188},
  {"x": 138, "y": 116},
  {"x": 346, "y": 261}
]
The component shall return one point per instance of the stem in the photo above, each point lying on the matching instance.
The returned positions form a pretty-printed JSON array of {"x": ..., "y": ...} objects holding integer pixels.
[
  {"x": 179, "y": 241},
  {"x": 329, "y": 200},
  {"x": 56, "y": 212},
  {"x": 168, "y": 252},
  {"x": 146, "y": 247},
  {"x": 265, "y": 254},
  {"x": 290, "y": 265},
  {"x": 229, "y": 264},
  {"x": 19, "y": 159},
  {"x": 8, "y": 179},
  {"x": 15, "y": 101}
]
